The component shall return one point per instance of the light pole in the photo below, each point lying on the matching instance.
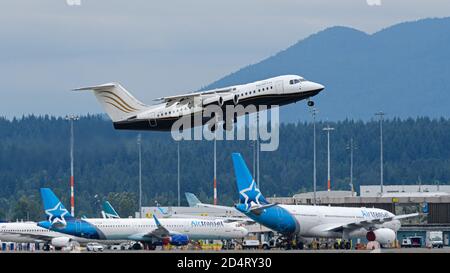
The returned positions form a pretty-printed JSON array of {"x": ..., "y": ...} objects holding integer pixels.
[
  {"x": 178, "y": 169},
  {"x": 258, "y": 182},
  {"x": 71, "y": 118},
  {"x": 328, "y": 129},
  {"x": 254, "y": 158},
  {"x": 351, "y": 146},
  {"x": 314, "y": 113},
  {"x": 381, "y": 116},
  {"x": 139, "y": 139},
  {"x": 215, "y": 165}
]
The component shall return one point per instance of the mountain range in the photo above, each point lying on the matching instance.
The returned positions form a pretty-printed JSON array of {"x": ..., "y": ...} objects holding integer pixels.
[{"x": 402, "y": 70}]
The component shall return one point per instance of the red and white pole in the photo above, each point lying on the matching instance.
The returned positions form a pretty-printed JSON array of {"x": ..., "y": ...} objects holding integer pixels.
[
  {"x": 72, "y": 182},
  {"x": 71, "y": 118}
]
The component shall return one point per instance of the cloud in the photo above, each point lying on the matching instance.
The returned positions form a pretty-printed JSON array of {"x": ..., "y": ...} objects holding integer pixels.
[
  {"x": 158, "y": 48},
  {"x": 374, "y": 2}
]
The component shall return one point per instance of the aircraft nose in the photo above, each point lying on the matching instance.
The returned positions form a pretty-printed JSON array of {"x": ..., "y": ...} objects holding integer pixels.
[
  {"x": 316, "y": 86},
  {"x": 244, "y": 232}
]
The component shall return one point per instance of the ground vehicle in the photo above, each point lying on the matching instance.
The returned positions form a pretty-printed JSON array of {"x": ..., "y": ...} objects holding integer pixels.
[
  {"x": 114, "y": 247},
  {"x": 414, "y": 241},
  {"x": 436, "y": 239},
  {"x": 246, "y": 244},
  {"x": 95, "y": 247},
  {"x": 272, "y": 243}
]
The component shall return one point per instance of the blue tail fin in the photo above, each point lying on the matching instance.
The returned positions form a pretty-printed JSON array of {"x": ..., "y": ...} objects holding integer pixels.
[
  {"x": 109, "y": 211},
  {"x": 55, "y": 211},
  {"x": 249, "y": 193}
]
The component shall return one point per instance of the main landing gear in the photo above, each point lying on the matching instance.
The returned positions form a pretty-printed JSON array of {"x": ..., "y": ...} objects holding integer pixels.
[{"x": 342, "y": 245}]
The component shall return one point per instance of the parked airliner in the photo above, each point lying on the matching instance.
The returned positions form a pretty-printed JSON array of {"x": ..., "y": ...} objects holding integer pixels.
[
  {"x": 176, "y": 231},
  {"x": 306, "y": 221},
  {"x": 127, "y": 112},
  {"x": 30, "y": 232}
]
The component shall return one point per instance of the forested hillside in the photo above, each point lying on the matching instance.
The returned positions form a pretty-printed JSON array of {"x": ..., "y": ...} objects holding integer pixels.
[{"x": 34, "y": 153}]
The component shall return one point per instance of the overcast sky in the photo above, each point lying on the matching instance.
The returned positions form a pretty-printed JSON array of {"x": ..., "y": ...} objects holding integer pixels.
[{"x": 157, "y": 48}]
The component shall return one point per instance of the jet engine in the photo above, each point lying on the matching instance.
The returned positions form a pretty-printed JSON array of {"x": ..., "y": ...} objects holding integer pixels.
[
  {"x": 61, "y": 241},
  {"x": 176, "y": 240},
  {"x": 235, "y": 99},
  {"x": 230, "y": 97},
  {"x": 216, "y": 99},
  {"x": 381, "y": 235}
]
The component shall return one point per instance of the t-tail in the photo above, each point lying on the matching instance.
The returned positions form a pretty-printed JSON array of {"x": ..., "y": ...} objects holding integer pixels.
[
  {"x": 117, "y": 102},
  {"x": 55, "y": 211}
]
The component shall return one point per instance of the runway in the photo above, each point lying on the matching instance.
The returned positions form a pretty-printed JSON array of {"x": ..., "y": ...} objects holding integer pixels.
[{"x": 258, "y": 251}]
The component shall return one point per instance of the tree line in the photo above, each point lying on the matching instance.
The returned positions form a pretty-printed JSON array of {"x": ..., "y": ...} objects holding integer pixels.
[{"x": 34, "y": 153}]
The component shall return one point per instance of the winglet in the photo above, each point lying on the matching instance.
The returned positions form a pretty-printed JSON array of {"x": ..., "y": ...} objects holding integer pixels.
[{"x": 158, "y": 224}]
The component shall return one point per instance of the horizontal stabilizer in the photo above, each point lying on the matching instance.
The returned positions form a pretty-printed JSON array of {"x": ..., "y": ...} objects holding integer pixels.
[
  {"x": 258, "y": 210},
  {"x": 96, "y": 87},
  {"x": 117, "y": 102}
]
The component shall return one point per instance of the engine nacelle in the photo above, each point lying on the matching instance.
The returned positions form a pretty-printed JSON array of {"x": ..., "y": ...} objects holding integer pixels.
[
  {"x": 61, "y": 241},
  {"x": 176, "y": 240},
  {"x": 216, "y": 99},
  {"x": 381, "y": 235},
  {"x": 231, "y": 97},
  {"x": 235, "y": 99}
]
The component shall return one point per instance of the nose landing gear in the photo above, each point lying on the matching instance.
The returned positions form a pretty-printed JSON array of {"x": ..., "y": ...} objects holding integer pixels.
[{"x": 310, "y": 103}]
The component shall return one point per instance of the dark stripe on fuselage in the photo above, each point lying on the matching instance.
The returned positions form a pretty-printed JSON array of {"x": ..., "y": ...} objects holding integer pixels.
[{"x": 165, "y": 124}]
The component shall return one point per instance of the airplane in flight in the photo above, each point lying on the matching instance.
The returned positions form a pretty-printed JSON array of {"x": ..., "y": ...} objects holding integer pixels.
[
  {"x": 303, "y": 222},
  {"x": 176, "y": 231},
  {"x": 126, "y": 112}
]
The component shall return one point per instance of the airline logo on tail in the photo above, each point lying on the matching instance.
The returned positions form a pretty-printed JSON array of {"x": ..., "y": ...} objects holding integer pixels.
[
  {"x": 249, "y": 194},
  {"x": 252, "y": 196},
  {"x": 56, "y": 215},
  {"x": 55, "y": 211}
]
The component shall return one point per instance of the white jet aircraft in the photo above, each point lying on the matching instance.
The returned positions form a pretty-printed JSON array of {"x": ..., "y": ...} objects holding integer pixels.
[
  {"x": 306, "y": 221},
  {"x": 177, "y": 231},
  {"x": 127, "y": 112},
  {"x": 30, "y": 232}
]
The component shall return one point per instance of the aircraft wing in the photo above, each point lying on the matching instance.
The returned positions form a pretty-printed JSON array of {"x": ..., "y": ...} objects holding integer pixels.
[
  {"x": 245, "y": 221},
  {"x": 194, "y": 94},
  {"x": 369, "y": 223},
  {"x": 214, "y": 206},
  {"x": 160, "y": 232}
]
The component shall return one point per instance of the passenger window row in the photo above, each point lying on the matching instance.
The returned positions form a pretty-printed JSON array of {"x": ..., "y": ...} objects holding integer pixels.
[
  {"x": 254, "y": 91},
  {"x": 171, "y": 112}
]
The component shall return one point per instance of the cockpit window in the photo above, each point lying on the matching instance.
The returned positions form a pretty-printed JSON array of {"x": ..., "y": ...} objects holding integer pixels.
[{"x": 297, "y": 81}]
